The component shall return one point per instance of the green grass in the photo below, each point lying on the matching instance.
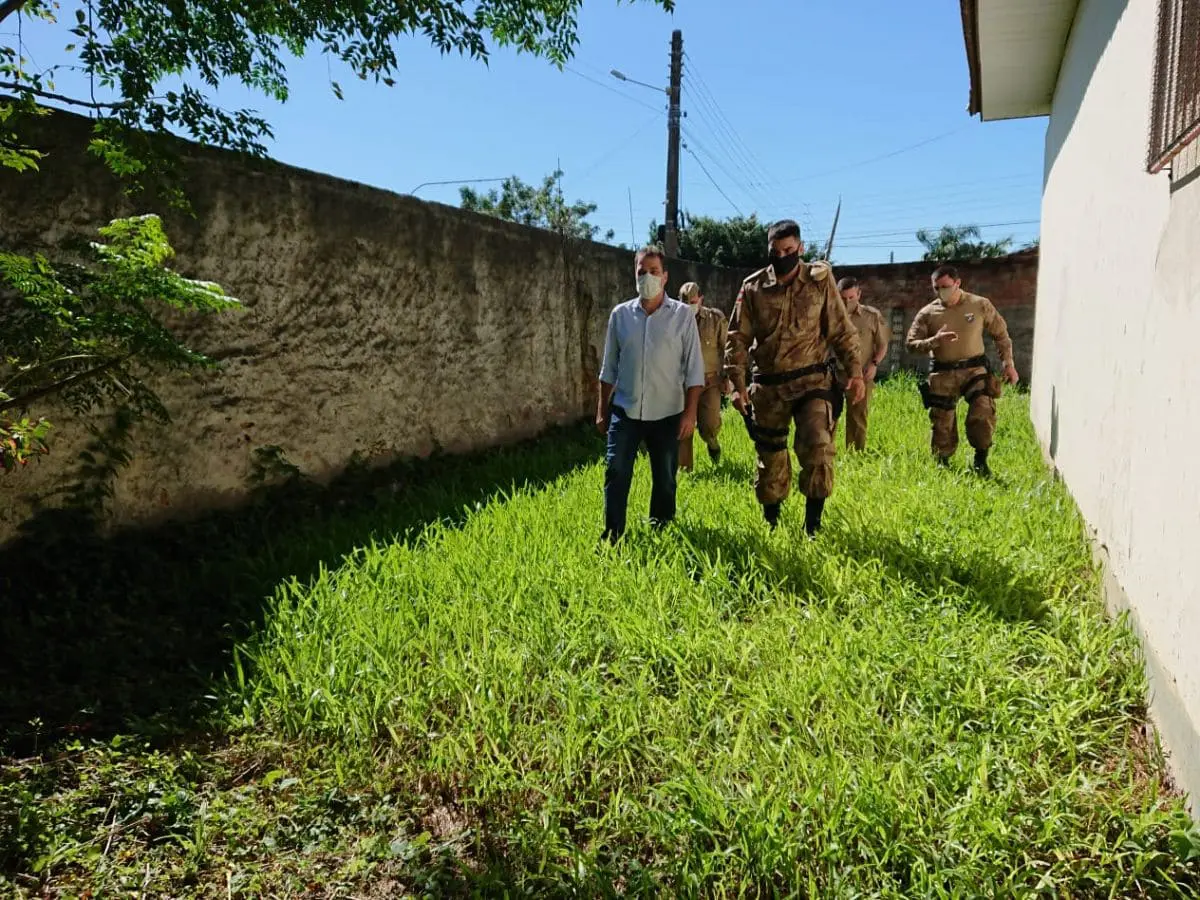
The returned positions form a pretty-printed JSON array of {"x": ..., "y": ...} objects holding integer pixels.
[{"x": 927, "y": 700}]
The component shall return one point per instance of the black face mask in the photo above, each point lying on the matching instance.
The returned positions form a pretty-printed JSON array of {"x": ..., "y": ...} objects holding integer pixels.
[{"x": 783, "y": 265}]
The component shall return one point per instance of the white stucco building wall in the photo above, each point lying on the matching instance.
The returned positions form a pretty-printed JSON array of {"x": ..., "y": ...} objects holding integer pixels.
[{"x": 1116, "y": 361}]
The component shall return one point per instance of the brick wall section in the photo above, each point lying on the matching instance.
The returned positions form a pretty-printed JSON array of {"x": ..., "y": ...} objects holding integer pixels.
[
  {"x": 899, "y": 291},
  {"x": 373, "y": 322}
]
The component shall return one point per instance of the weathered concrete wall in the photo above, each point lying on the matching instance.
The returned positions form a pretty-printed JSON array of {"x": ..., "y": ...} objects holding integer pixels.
[
  {"x": 1114, "y": 396},
  {"x": 373, "y": 323}
]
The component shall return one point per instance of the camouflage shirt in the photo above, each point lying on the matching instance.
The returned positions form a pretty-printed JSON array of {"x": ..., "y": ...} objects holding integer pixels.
[
  {"x": 786, "y": 328},
  {"x": 873, "y": 336},
  {"x": 713, "y": 330},
  {"x": 969, "y": 318}
]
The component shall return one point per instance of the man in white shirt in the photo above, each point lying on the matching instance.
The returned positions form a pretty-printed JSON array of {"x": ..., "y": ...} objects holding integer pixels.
[{"x": 650, "y": 385}]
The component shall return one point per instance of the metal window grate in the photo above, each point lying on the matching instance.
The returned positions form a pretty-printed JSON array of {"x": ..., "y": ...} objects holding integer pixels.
[
  {"x": 1175, "y": 112},
  {"x": 897, "y": 341}
]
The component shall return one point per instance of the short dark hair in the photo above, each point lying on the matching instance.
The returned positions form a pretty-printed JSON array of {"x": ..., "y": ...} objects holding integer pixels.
[
  {"x": 648, "y": 251},
  {"x": 848, "y": 282},
  {"x": 784, "y": 228},
  {"x": 945, "y": 271}
]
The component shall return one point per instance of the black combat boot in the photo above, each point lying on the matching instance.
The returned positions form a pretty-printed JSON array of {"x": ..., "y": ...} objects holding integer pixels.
[
  {"x": 771, "y": 514},
  {"x": 715, "y": 455},
  {"x": 813, "y": 507},
  {"x": 981, "y": 463}
]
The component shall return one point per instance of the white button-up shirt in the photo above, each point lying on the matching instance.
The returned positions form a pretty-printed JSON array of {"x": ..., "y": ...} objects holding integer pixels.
[{"x": 651, "y": 360}]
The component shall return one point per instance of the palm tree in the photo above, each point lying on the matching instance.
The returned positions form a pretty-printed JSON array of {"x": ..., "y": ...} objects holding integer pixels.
[{"x": 960, "y": 242}]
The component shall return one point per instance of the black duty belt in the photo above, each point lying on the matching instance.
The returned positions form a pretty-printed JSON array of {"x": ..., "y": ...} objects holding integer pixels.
[
  {"x": 791, "y": 375},
  {"x": 973, "y": 363}
]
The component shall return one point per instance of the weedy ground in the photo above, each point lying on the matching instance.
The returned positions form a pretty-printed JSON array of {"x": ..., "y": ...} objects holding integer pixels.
[{"x": 433, "y": 681}]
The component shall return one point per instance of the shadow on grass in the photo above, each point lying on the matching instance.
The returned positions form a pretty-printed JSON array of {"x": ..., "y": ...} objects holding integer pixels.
[
  {"x": 737, "y": 473},
  {"x": 777, "y": 562},
  {"x": 759, "y": 563},
  {"x": 985, "y": 582},
  {"x": 125, "y": 632}
]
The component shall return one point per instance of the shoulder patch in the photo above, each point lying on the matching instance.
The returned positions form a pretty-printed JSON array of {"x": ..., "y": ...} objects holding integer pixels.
[{"x": 819, "y": 270}]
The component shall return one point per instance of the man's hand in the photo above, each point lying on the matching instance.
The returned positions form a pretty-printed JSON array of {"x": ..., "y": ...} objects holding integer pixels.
[
  {"x": 870, "y": 372},
  {"x": 687, "y": 425},
  {"x": 727, "y": 387},
  {"x": 1010, "y": 372},
  {"x": 856, "y": 389},
  {"x": 602, "y": 421},
  {"x": 945, "y": 335},
  {"x": 741, "y": 401}
]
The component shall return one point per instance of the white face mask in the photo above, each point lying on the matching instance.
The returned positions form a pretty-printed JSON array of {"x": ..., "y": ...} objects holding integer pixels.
[
  {"x": 695, "y": 307},
  {"x": 946, "y": 293},
  {"x": 649, "y": 286}
]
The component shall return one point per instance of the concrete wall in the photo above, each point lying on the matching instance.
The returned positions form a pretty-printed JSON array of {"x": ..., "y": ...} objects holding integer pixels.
[
  {"x": 373, "y": 323},
  {"x": 1115, "y": 391}
]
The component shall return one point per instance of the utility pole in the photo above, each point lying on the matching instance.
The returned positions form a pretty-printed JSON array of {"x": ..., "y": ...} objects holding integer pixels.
[{"x": 673, "y": 117}]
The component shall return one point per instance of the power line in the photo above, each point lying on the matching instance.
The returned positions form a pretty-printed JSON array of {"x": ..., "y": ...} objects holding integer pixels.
[
  {"x": 882, "y": 156},
  {"x": 940, "y": 188},
  {"x": 608, "y": 154},
  {"x": 691, "y": 137},
  {"x": 749, "y": 181},
  {"x": 610, "y": 88},
  {"x": 866, "y": 234},
  {"x": 959, "y": 197},
  {"x": 759, "y": 176},
  {"x": 700, "y": 163},
  {"x": 958, "y": 215},
  {"x": 705, "y": 93},
  {"x": 725, "y": 136}
]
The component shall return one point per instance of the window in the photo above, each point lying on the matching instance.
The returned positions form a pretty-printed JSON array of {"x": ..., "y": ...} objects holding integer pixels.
[
  {"x": 1175, "y": 111},
  {"x": 897, "y": 341}
]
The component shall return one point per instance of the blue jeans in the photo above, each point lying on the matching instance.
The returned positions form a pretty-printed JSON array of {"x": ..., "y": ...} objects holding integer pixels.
[{"x": 625, "y": 435}]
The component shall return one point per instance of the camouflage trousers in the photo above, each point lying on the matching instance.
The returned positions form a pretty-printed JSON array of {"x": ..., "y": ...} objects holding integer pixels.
[
  {"x": 981, "y": 411},
  {"x": 708, "y": 423},
  {"x": 856, "y": 420},
  {"x": 776, "y": 407}
]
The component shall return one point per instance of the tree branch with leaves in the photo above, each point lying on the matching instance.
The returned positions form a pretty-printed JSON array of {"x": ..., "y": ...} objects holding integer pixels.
[
  {"x": 954, "y": 242},
  {"x": 90, "y": 334},
  {"x": 132, "y": 48},
  {"x": 539, "y": 207},
  {"x": 739, "y": 242}
]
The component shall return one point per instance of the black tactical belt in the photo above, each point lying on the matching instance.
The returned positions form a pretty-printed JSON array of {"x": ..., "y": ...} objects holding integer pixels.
[
  {"x": 973, "y": 363},
  {"x": 792, "y": 375}
]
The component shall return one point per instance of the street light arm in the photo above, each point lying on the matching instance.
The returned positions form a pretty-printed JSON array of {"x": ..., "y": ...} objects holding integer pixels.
[
  {"x": 455, "y": 181},
  {"x": 621, "y": 76}
]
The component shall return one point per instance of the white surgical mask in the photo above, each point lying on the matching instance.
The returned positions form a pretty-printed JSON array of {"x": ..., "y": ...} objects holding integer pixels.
[
  {"x": 649, "y": 286},
  {"x": 946, "y": 293}
]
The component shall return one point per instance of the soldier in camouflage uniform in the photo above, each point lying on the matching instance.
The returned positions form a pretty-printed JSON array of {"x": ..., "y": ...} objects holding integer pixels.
[
  {"x": 713, "y": 327},
  {"x": 873, "y": 335},
  {"x": 950, "y": 330},
  {"x": 791, "y": 314}
]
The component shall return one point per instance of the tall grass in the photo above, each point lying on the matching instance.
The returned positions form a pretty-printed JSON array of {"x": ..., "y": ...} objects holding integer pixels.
[{"x": 926, "y": 700}]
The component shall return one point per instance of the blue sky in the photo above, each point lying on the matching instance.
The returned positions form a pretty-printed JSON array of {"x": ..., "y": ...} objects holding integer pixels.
[{"x": 788, "y": 105}]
